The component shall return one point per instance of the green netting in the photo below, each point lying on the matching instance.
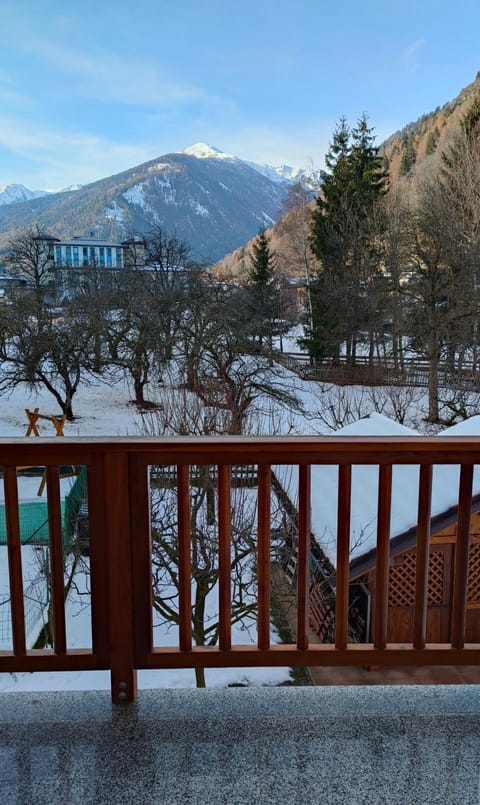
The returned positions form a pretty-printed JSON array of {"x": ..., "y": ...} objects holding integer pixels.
[
  {"x": 33, "y": 519},
  {"x": 73, "y": 501},
  {"x": 33, "y": 515}
]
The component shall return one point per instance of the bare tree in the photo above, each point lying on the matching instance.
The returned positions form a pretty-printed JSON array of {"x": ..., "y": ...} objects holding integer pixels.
[
  {"x": 216, "y": 360},
  {"x": 440, "y": 293},
  {"x": 29, "y": 254},
  {"x": 42, "y": 349},
  {"x": 183, "y": 412},
  {"x": 344, "y": 405},
  {"x": 295, "y": 255},
  {"x": 147, "y": 307}
]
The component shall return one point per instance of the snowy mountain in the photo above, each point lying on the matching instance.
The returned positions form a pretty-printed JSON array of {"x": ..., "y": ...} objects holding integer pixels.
[
  {"x": 307, "y": 176},
  {"x": 70, "y": 188},
  {"x": 15, "y": 193},
  {"x": 12, "y": 193},
  {"x": 215, "y": 201}
]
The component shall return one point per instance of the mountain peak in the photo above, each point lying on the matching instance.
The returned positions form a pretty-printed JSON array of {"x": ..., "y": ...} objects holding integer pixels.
[
  {"x": 205, "y": 151},
  {"x": 11, "y": 193}
]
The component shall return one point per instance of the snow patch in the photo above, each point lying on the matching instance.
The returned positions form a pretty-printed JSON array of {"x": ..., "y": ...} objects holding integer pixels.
[
  {"x": 135, "y": 195},
  {"x": 365, "y": 479},
  {"x": 114, "y": 212},
  {"x": 160, "y": 166},
  {"x": 205, "y": 151},
  {"x": 199, "y": 209},
  {"x": 268, "y": 219},
  {"x": 168, "y": 190}
]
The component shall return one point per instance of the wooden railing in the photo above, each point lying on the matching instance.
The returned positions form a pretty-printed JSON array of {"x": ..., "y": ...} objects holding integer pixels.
[{"x": 121, "y": 552}]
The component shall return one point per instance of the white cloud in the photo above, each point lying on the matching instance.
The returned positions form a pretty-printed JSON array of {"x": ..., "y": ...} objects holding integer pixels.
[
  {"x": 65, "y": 158},
  {"x": 98, "y": 73},
  {"x": 409, "y": 55}
]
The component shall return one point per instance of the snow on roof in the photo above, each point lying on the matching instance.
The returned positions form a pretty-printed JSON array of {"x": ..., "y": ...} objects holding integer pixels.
[
  {"x": 376, "y": 425},
  {"x": 469, "y": 427},
  {"x": 363, "y": 517}
]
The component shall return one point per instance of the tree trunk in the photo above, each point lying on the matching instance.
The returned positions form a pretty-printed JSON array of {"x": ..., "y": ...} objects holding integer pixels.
[
  {"x": 433, "y": 385},
  {"x": 97, "y": 354},
  {"x": 68, "y": 411},
  {"x": 138, "y": 391},
  {"x": 200, "y": 678}
]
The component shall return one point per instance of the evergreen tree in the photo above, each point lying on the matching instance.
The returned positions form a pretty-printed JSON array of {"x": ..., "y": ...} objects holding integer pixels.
[
  {"x": 432, "y": 141},
  {"x": 369, "y": 177},
  {"x": 262, "y": 263},
  {"x": 263, "y": 289},
  {"x": 409, "y": 156},
  {"x": 471, "y": 121},
  {"x": 345, "y": 238}
]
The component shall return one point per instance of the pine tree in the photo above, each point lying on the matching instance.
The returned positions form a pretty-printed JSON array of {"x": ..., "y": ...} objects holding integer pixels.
[
  {"x": 432, "y": 141},
  {"x": 262, "y": 265},
  {"x": 263, "y": 290},
  {"x": 471, "y": 121},
  {"x": 344, "y": 238},
  {"x": 409, "y": 156},
  {"x": 369, "y": 177}
]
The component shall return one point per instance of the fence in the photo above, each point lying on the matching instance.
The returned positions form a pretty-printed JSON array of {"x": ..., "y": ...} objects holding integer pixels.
[
  {"x": 121, "y": 552},
  {"x": 377, "y": 372}
]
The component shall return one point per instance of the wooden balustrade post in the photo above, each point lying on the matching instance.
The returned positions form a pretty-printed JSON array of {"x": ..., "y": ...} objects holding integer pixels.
[{"x": 120, "y": 586}]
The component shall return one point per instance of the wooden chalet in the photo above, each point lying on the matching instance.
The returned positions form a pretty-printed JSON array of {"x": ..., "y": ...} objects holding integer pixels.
[
  {"x": 403, "y": 542},
  {"x": 441, "y": 566},
  {"x": 401, "y": 581}
]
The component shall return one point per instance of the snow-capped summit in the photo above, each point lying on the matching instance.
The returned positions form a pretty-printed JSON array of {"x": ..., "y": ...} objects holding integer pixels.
[
  {"x": 205, "y": 151},
  {"x": 11, "y": 193},
  {"x": 278, "y": 174}
]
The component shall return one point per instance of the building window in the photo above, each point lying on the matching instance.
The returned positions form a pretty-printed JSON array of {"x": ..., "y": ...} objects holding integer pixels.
[
  {"x": 109, "y": 257},
  {"x": 85, "y": 255},
  {"x": 75, "y": 257},
  {"x": 102, "y": 256},
  {"x": 68, "y": 255},
  {"x": 119, "y": 258},
  {"x": 58, "y": 255},
  {"x": 92, "y": 255}
]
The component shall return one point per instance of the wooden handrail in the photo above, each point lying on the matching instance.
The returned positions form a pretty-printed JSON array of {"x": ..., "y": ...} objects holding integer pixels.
[{"x": 121, "y": 558}]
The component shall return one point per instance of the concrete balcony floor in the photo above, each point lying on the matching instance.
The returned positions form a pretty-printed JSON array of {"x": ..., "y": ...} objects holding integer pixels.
[{"x": 239, "y": 746}]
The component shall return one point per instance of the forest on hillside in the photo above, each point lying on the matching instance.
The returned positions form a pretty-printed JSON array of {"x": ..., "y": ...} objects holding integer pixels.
[{"x": 390, "y": 259}]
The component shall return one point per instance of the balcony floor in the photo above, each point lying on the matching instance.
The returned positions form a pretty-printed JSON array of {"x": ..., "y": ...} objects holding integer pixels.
[{"x": 250, "y": 745}]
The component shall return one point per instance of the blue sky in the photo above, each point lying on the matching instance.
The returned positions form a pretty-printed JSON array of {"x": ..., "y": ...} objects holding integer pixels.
[{"x": 89, "y": 88}]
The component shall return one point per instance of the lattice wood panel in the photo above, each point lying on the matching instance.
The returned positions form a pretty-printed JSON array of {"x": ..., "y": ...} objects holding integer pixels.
[
  {"x": 401, "y": 580},
  {"x": 473, "y": 587},
  {"x": 322, "y": 615}
]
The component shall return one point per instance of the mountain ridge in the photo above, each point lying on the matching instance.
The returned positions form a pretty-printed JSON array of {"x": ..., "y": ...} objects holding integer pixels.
[
  {"x": 214, "y": 200},
  {"x": 215, "y": 204}
]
